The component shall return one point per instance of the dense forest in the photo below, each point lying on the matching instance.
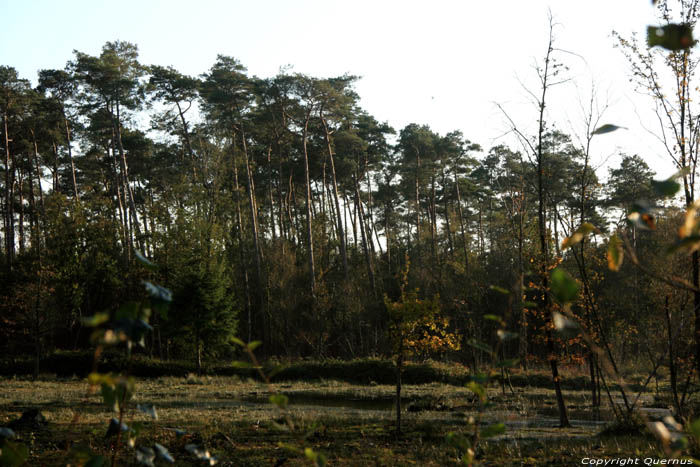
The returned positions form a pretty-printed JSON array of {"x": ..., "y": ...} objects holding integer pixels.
[{"x": 278, "y": 210}]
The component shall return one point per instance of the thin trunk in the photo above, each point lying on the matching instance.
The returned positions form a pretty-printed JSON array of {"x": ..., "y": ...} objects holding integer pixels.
[
  {"x": 309, "y": 229},
  {"x": 70, "y": 154},
  {"x": 8, "y": 214},
  {"x": 465, "y": 245},
  {"x": 128, "y": 192},
  {"x": 365, "y": 248},
  {"x": 544, "y": 261},
  {"x": 341, "y": 231}
]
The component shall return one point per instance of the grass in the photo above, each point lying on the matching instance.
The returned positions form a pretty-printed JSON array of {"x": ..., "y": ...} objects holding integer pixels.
[
  {"x": 351, "y": 423},
  {"x": 364, "y": 371}
]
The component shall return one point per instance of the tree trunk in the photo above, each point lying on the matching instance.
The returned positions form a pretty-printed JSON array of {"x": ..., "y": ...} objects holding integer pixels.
[
  {"x": 336, "y": 200},
  {"x": 309, "y": 227}
]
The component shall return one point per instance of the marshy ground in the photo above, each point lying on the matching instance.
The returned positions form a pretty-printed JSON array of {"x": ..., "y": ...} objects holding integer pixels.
[{"x": 351, "y": 424}]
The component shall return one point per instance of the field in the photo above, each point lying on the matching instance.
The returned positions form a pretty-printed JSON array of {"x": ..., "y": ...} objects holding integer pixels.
[{"x": 351, "y": 424}]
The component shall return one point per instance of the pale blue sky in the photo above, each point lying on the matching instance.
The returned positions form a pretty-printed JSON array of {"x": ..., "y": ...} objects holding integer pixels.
[{"x": 443, "y": 63}]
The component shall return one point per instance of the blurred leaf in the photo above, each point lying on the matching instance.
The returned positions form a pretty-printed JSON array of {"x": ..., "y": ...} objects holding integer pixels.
[
  {"x": 145, "y": 261},
  {"x": 109, "y": 397},
  {"x": 578, "y": 235},
  {"x": 666, "y": 188},
  {"x": 163, "y": 453},
  {"x": 562, "y": 323},
  {"x": 477, "y": 389},
  {"x": 254, "y": 345},
  {"x": 94, "y": 320},
  {"x": 200, "y": 453},
  {"x": 13, "y": 454},
  {"x": 690, "y": 224},
  {"x": 671, "y": 36},
  {"x": 660, "y": 431},
  {"x": 498, "y": 289},
  {"x": 134, "y": 329},
  {"x": 529, "y": 305},
  {"x": 6, "y": 433},
  {"x": 491, "y": 317},
  {"x": 145, "y": 456},
  {"x": 158, "y": 293},
  {"x": 148, "y": 409},
  {"x": 607, "y": 128},
  {"x": 564, "y": 287},
  {"x": 241, "y": 364},
  {"x": 479, "y": 345},
  {"x": 642, "y": 220},
  {"x": 316, "y": 457},
  {"x": 615, "y": 253},
  {"x": 505, "y": 335},
  {"x": 114, "y": 426},
  {"x": 280, "y": 400},
  {"x": 237, "y": 341},
  {"x": 493, "y": 430}
]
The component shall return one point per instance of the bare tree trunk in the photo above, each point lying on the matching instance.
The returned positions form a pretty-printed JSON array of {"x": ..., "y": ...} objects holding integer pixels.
[
  {"x": 341, "y": 231},
  {"x": 368, "y": 259},
  {"x": 309, "y": 227},
  {"x": 542, "y": 226}
]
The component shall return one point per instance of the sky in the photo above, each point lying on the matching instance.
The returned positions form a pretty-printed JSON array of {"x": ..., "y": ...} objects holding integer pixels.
[{"x": 442, "y": 63}]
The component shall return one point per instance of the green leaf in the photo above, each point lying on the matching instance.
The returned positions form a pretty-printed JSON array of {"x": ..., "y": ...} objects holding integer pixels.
[
  {"x": 564, "y": 287},
  {"x": 491, "y": 317},
  {"x": 241, "y": 364},
  {"x": 237, "y": 341},
  {"x": 94, "y": 320},
  {"x": 529, "y": 305},
  {"x": 13, "y": 454},
  {"x": 607, "y": 128},
  {"x": 666, "y": 188},
  {"x": 145, "y": 261},
  {"x": 671, "y": 36},
  {"x": 498, "y": 289},
  {"x": 615, "y": 253},
  {"x": 493, "y": 430},
  {"x": 477, "y": 389},
  {"x": 479, "y": 345},
  {"x": 254, "y": 345},
  {"x": 317, "y": 458},
  {"x": 280, "y": 400}
]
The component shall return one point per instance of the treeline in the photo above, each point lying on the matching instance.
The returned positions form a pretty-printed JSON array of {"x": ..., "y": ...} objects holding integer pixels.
[{"x": 278, "y": 210}]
